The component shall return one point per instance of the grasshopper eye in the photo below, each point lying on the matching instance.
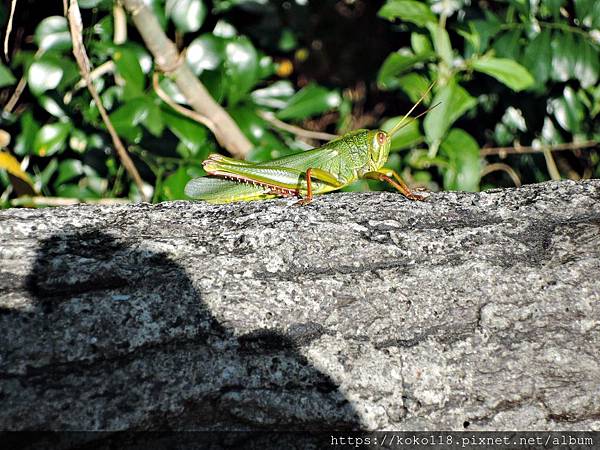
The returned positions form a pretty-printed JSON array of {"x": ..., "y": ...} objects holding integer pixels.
[{"x": 380, "y": 138}]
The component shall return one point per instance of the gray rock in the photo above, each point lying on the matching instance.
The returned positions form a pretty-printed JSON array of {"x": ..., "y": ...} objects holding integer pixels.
[{"x": 475, "y": 311}]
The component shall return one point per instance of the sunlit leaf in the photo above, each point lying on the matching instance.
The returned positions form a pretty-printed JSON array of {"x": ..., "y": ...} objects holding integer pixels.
[
  {"x": 51, "y": 138},
  {"x": 563, "y": 56},
  {"x": 44, "y": 74},
  {"x": 309, "y": 101},
  {"x": 241, "y": 68},
  {"x": 188, "y": 15},
  {"x": 205, "y": 53},
  {"x": 276, "y": 95},
  {"x": 53, "y": 33},
  {"x": 568, "y": 110}
]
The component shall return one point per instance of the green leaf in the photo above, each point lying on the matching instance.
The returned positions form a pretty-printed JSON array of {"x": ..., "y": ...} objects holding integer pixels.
[
  {"x": 216, "y": 83},
  {"x": 441, "y": 43},
  {"x": 173, "y": 186},
  {"x": 44, "y": 74},
  {"x": 188, "y": 15},
  {"x": 507, "y": 71},
  {"x": 407, "y": 136},
  {"x": 407, "y": 10},
  {"x": 309, "y": 101},
  {"x": 29, "y": 130},
  {"x": 51, "y": 138},
  {"x": 141, "y": 110},
  {"x": 420, "y": 43},
  {"x": 6, "y": 77},
  {"x": 53, "y": 33},
  {"x": 414, "y": 85},
  {"x": 453, "y": 101},
  {"x": 67, "y": 170},
  {"x": 43, "y": 178},
  {"x": 397, "y": 63},
  {"x": 485, "y": 30},
  {"x": 153, "y": 121},
  {"x": 241, "y": 68},
  {"x": 191, "y": 134},
  {"x": 463, "y": 171},
  {"x": 538, "y": 57},
  {"x": 508, "y": 45},
  {"x": 205, "y": 53},
  {"x": 128, "y": 67},
  {"x": 420, "y": 159}
]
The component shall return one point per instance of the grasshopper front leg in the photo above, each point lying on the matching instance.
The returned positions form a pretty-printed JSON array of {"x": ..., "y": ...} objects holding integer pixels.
[
  {"x": 386, "y": 175},
  {"x": 318, "y": 174}
]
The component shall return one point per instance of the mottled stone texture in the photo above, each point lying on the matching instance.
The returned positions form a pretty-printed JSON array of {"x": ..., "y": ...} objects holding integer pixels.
[{"x": 469, "y": 310}]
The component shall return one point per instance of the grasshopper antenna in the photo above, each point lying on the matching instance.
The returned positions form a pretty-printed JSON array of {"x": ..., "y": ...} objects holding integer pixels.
[
  {"x": 411, "y": 119},
  {"x": 401, "y": 123}
]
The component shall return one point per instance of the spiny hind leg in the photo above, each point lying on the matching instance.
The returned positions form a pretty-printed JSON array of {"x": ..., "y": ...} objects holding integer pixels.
[{"x": 397, "y": 181}]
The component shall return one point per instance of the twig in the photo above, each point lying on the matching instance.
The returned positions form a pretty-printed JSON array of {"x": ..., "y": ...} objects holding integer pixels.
[
  {"x": 181, "y": 110},
  {"x": 301, "y": 132},
  {"x": 551, "y": 165},
  {"x": 487, "y": 151},
  {"x": 120, "y": 24},
  {"x": 62, "y": 201},
  {"x": 83, "y": 62},
  {"x": 503, "y": 167},
  {"x": 101, "y": 70},
  {"x": 13, "y": 5},
  {"x": 171, "y": 62},
  {"x": 14, "y": 98}
]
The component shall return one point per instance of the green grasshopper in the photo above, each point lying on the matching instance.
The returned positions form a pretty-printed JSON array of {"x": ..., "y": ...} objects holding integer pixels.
[{"x": 357, "y": 154}]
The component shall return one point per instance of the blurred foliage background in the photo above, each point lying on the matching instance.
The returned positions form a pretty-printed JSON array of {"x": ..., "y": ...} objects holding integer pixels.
[{"x": 517, "y": 81}]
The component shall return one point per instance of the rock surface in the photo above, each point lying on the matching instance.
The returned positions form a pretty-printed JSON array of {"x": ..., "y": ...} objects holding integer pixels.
[{"x": 476, "y": 311}]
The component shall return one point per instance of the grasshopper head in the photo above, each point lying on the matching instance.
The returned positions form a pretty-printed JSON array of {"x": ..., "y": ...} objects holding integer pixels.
[{"x": 379, "y": 149}]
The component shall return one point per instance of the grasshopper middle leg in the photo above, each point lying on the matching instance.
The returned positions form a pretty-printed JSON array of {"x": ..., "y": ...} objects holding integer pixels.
[
  {"x": 390, "y": 176},
  {"x": 317, "y": 174}
]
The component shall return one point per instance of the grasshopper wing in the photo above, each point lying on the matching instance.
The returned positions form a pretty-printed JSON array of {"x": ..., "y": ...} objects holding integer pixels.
[{"x": 215, "y": 190}]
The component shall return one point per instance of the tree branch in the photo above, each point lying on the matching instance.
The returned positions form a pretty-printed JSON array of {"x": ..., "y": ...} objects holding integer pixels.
[
  {"x": 83, "y": 62},
  {"x": 300, "y": 132},
  {"x": 487, "y": 151},
  {"x": 172, "y": 63}
]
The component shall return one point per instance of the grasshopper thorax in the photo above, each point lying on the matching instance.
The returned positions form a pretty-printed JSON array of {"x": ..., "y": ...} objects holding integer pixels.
[{"x": 379, "y": 149}]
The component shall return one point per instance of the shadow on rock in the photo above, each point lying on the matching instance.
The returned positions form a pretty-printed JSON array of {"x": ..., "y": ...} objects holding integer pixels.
[{"x": 114, "y": 336}]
